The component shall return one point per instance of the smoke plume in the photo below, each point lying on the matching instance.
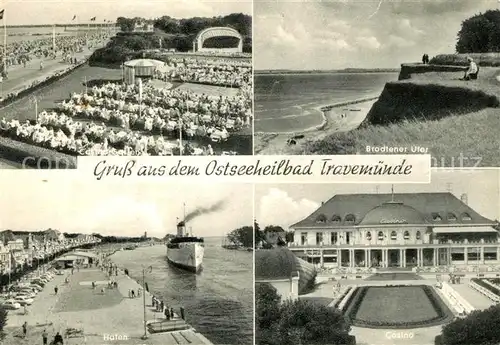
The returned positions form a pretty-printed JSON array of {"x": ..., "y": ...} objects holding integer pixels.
[{"x": 219, "y": 205}]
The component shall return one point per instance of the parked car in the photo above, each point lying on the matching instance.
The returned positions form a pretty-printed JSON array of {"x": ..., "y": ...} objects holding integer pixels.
[
  {"x": 23, "y": 300},
  {"x": 11, "y": 304},
  {"x": 38, "y": 282},
  {"x": 27, "y": 293},
  {"x": 36, "y": 286}
]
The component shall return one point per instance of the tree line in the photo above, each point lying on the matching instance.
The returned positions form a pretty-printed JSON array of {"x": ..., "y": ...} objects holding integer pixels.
[{"x": 480, "y": 33}]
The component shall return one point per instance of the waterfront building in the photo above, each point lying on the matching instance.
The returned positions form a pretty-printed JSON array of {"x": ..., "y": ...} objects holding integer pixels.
[{"x": 396, "y": 230}]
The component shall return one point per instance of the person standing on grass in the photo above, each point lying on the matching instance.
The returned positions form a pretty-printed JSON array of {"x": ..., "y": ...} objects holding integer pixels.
[
  {"x": 45, "y": 337},
  {"x": 25, "y": 329},
  {"x": 55, "y": 290}
]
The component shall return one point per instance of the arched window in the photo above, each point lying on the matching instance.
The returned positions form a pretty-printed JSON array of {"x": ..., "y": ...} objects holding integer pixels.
[
  {"x": 380, "y": 236},
  {"x": 465, "y": 217},
  {"x": 451, "y": 217},
  {"x": 321, "y": 218},
  {"x": 336, "y": 219},
  {"x": 436, "y": 217},
  {"x": 350, "y": 219},
  {"x": 394, "y": 236},
  {"x": 369, "y": 236},
  {"x": 406, "y": 235},
  {"x": 418, "y": 235}
]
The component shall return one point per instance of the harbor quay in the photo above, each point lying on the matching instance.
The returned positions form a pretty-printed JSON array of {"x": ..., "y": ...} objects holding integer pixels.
[{"x": 84, "y": 314}]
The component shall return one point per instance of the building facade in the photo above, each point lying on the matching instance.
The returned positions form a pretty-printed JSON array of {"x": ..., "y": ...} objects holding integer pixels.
[{"x": 396, "y": 230}]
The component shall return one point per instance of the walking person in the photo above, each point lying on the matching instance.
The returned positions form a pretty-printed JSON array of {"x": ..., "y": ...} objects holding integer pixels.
[
  {"x": 45, "y": 337},
  {"x": 25, "y": 329},
  {"x": 55, "y": 290}
]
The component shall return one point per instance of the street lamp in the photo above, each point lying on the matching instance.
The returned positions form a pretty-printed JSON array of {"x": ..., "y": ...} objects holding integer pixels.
[{"x": 144, "y": 269}]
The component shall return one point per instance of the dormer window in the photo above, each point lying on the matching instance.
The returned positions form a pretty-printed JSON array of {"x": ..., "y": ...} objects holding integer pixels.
[
  {"x": 394, "y": 236},
  {"x": 380, "y": 236},
  {"x": 369, "y": 236},
  {"x": 350, "y": 219},
  {"x": 451, "y": 217},
  {"x": 336, "y": 219},
  {"x": 406, "y": 235},
  {"x": 465, "y": 217},
  {"x": 418, "y": 236},
  {"x": 436, "y": 217},
  {"x": 321, "y": 218}
]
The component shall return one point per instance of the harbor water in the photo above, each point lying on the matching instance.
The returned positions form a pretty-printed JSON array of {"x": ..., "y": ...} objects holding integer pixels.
[{"x": 218, "y": 301}]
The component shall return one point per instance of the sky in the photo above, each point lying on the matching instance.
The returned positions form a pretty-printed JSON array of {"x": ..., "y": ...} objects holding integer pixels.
[
  {"x": 122, "y": 209},
  {"x": 22, "y": 12},
  {"x": 322, "y": 35},
  {"x": 297, "y": 201}
]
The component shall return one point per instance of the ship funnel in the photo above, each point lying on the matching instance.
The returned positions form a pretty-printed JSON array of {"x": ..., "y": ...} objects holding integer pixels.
[{"x": 181, "y": 229}]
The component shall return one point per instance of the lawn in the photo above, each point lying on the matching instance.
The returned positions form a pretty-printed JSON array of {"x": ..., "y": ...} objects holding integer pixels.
[
  {"x": 395, "y": 305},
  {"x": 79, "y": 295}
]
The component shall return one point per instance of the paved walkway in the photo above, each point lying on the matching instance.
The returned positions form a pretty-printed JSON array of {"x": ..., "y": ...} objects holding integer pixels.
[
  {"x": 110, "y": 323},
  {"x": 477, "y": 299},
  {"x": 20, "y": 77}
]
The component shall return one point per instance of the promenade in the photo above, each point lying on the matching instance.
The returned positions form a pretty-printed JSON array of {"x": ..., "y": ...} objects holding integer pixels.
[
  {"x": 92, "y": 316},
  {"x": 20, "y": 77}
]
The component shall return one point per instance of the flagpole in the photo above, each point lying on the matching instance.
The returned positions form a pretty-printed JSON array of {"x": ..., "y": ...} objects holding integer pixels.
[
  {"x": 4, "y": 43},
  {"x": 54, "y": 39}
]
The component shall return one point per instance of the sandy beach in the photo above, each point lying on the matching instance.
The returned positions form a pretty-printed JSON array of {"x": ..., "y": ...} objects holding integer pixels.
[{"x": 340, "y": 117}]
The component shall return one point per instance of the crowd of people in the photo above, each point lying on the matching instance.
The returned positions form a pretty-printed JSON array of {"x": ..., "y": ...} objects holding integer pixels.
[
  {"x": 223, "y": 72},
  {"x": 22, "y": 52}
]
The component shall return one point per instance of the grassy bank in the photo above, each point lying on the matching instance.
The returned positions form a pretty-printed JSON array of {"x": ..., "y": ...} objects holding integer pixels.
[{"x": 447, "y": 139}]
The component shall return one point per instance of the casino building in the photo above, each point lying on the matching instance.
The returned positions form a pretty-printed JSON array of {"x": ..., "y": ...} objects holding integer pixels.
[{"x": 396, "y": 230}]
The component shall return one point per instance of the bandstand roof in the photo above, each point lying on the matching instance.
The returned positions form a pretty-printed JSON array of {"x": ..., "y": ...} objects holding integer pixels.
[
  {"x": 144, "y": 63},
  {"x": 427, "y": 209}
]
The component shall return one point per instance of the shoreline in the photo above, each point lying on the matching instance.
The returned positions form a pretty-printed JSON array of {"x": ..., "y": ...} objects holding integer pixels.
[
  {"x": 272, "y": 143},
  {"x": 322, "y": 109}
]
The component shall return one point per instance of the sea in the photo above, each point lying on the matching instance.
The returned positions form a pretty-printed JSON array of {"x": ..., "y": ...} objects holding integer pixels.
[
  {"x": 218, "y": 301},
  {"x": 24, "y": 33},
  {"x": 291, "y": 102}
]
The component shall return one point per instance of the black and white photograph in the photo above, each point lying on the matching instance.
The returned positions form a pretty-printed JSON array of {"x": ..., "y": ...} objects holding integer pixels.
[
  {"x": 409, "y": 264},
  {"x": 379, "y": 77},
  {"x": 141, "y": 263},
  {"x": 124, "y": 78}
]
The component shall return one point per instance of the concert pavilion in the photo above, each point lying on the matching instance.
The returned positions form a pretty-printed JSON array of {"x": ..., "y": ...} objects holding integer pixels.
[{"x": 396, "y": 230}]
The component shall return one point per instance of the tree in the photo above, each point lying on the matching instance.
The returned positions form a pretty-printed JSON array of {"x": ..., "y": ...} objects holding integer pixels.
[
  {"x": 3, "y": 321},
  {"x": 296, "y": 322},
  {"x": 480, "y": 33},
  {"x": 274, "y": 228},
  {"x": 259, "y": 235},
  {"x": 289, "y": 237},
  {"x": 242, "y": 236},
  {"x": 304, "y": 322},
  {"x": 478, "y": 328},
  {"x": 125, "y": 24}
]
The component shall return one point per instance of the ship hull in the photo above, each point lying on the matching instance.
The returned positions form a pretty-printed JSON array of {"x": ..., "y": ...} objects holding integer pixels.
[{"x": 189, "y": 256}]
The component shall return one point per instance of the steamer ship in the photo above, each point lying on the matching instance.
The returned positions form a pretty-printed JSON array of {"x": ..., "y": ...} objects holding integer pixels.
[{"x": 184, "y": 251}]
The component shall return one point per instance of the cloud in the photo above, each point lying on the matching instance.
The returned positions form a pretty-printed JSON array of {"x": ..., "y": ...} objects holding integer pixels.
[
  {"x": 400, "y": 42},
  {"x": 369, "y": 42},
  {"x": 290, "y": 210},
  {"x": 125, "y": 216}
]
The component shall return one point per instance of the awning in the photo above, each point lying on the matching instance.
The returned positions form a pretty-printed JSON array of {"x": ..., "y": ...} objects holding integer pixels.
[{"x": 463, "y": 229}]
